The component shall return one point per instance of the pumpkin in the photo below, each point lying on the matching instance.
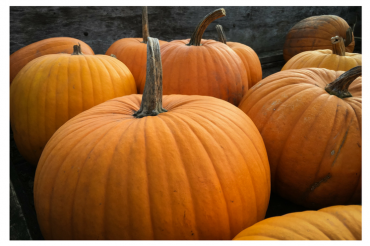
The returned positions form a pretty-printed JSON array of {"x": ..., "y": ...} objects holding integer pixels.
[
  {"x": 52, "y": 89},
  {"x": 335, "y": 59},
  {"x": 203, "y": 67},
  {"x": 250, "y": 59},
  {"x": 143, "y": 167},
  {"x": 21, "y": 57},
  {"x": 310, "y": 121},
  {"x": 132, "y": 52},
  {"x": 332, "y": 223},
  {"x": 314, "y": 33}
]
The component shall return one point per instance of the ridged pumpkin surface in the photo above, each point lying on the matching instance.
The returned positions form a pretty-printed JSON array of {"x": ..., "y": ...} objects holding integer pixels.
[
  {"x": 198, "y": 171},
  {"x": 212, "y": 69},
  {"x": 332, "y": 223},
  {"x": 314, "y": 33},
  {"x": 250, "y": 60},
  {"x": 313, "y": 139},
  {"x": 44, "y": 47},
  {"x": 132, "y": 52},
  {"x": 52, "y": 89},
  {"x": 324, "y": 59}
]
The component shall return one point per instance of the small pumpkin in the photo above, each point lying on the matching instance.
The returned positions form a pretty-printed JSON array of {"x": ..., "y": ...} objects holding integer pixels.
[
  {"x": 250, "y": 59},
  {"x": 203, "y": 67},
  {"x": 132, "y": 52},
  {"x": 310, "y": 121},
  {"x": 44, "y": 47},
  {"x": 143, "y": 167},
  {"x": 314, "y": 33},
  {"x": 335, "y": 59},
  {"x": 332, "y": 223},
  {"x": 52, "y": 89}
]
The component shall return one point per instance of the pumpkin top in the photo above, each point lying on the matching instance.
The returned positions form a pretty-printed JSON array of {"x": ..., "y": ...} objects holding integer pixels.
[{"x": 203, "y": 24}]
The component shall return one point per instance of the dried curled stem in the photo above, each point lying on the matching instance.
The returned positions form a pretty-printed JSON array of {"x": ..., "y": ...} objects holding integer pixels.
[
  {"x": 203, "y": 24},
  {"x": 339, "y": 87}
]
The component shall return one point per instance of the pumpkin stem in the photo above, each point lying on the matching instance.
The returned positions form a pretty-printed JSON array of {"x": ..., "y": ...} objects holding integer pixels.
[
  {"x": 113, "y": 55},
  {"x": 151, "y": 103},
  {"x": 339, "y": 87},
  {"x": 203, "y": 24},
  {"x": 221, "y": 34},
  {"x": 77, "y": 50},
  {"x": 145, "y": 25},
  {"x": 338, "y": 46}
]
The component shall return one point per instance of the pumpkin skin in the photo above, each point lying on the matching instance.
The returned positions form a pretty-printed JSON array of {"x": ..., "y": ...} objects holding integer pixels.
[
  {"x": 313, "y": 139},
  {"x": 212, "y": 69},
  {"x": 198, "y": 171},
  {"x": 332, "y": 223},
  {"x": 314, "y": 33},
  {"x": 324, "y": 59},
  {"x": 250, "y": 60},
  {"x": 132, "y": 52},
  {"x": 52, "y": 89},
  {"x": 44, "y": 47}
]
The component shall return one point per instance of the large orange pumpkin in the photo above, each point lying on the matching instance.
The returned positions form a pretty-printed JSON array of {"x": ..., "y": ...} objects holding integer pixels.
[
  {"x": 312, "y": 131},
  {"x": 195, "y": 168},
  {"x": 132, "y": 52},
  {"x": 314, "y": 33},
  {"x": 332, "y": 223},
  {"x": 250, "y": 59},
  {"x": 334, "y": 59},
  {"x": 52, "y": 89},
  {"x": 203, "y": 67},
  {"x": 44, "y": 47}
]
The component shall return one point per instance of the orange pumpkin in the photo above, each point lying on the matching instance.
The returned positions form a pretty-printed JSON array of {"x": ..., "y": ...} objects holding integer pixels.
[
  {"x": 21, "y": 57},
  {"x": 130, "y": 168},
  {"x": 312, "y": 130},
  {"x": 132, "y": 52},
  {"x": 314, "y": 33},
  {"x": 52, "y": 89},
  {"x": 335, "y": 59},
  {"x": 203, "y": 67},
  {"x": 250, "y": 59},
  {"x": 332, "y": 223}
]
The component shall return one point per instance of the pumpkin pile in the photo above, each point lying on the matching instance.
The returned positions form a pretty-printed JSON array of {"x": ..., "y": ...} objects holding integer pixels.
[{"x": 198, "y": 152}]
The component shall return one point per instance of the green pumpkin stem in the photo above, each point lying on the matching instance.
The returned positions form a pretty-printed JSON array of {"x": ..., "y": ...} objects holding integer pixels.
[
  {"x": 338, "y": 46},
  {"x": 203, "y": 24},
  {"x": 221, "y": 34},
  {"x": 77, "y": 50},
  {"x": 339, "y": 87},
  {"x": 151, "y": 104},
  {"x": 145, "y": 25}
]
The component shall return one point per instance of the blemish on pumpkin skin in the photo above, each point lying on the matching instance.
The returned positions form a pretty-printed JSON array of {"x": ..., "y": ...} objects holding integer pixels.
[{"x": 317, "y": 184}]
